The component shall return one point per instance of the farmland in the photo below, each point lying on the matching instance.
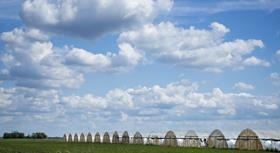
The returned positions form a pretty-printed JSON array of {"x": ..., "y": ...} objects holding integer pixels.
[{"x": 58, "y": 146}]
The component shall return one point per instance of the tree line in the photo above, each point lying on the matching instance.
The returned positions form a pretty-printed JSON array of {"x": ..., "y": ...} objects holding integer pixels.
[{"x": 21, "y": 135}]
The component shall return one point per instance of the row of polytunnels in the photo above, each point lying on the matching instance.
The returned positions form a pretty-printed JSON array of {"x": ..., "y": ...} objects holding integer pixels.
[{"x": 247, "y": 139}]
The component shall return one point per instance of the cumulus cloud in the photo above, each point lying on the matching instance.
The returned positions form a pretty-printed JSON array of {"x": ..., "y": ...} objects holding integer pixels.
[
  {"x": 177, "y": 98},
  {"x": 197, "y": 48},
  {"x": 31, "y": 60},
  {"x": 255, "y": 61},
  {"x": 130, "y": 98},
  {"x": 115, "y": 98},
  {"x": 90, "y": 18},
  {"x": 21, "y": 99},
  {"x": 85, "y": 101},
  {"x": 124, "y": 60},
  {"x": 243, "y": 86},
  {"x": 29, "y": 106},
  {"x": 275, "y": 78}
]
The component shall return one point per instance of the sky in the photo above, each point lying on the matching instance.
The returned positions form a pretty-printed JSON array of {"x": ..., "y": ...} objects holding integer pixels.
[{"x": 143, "y": 65}]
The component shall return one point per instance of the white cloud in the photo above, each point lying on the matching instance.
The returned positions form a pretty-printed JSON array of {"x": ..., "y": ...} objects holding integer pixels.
[
  {"x": 77, "y": 56},
  {"x": 243, "y": 86},
  {"x": 175, "y": 103},
  {"x": 120, "y": 97},
  {"x": 31, "y": 60},
  {"x": 255, "y": 61},
  {"x": 174, "y": 93},
  {"x": 85, "y": 101},
  {"x": 91, "y": 18},
  {"x": 265, "y": 105},
  {"x": 278, "y": 53},
  {"x": 31, "y": 106},
  {"x": 179, "y": 98},
  {"x": 5, "y": 96},
  {"x": 219, "y": 27},
  {"x": 126, "y": 59},
  {"x": 198, "y": 48},
  {"x": 275, "y": 78},
  {"x": 124, "y": 117},
  {"x": 114, "y": 99},
  {"x": 228, "y": 111},
  {"x": 26, "y": 99},
  {"x": 130, "y": 98}
]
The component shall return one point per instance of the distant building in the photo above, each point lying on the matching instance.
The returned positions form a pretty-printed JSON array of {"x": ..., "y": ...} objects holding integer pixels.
[
  {"x": 138, "y": 139},
  {"x": 191, "y": 139},
  {"x": 89, "y": 137},
  {"x": 248, "y": 140},
  {"x": 82, "y": 137},
  {"x": 65, "y": 138},
  {"x": 155, "y": 140},
  {"x": 115, "y": 137},
  {"x": 217, "y": 140},
  {"x": 97, "y": 138},
  {"x": 70, "y": 138},
  {"x": 125, "y": 138},
  {"x": 170, "y": 139},
  {"x": 106, "y": 138},
  {"x": 76, "y": 139}
]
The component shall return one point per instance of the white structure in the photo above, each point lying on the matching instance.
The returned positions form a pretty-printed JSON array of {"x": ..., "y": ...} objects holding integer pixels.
[
  {"x": 70, "y": 138},
  {"x": 64, "y": 138},
  {"x": 125, "y": 138},
  {"x": 248, "y": 140},
  {"x": 76, "y": 139},
  {"x": 170, "y": 139},
  {"x": 138, "y": 139},
  {"x": 191, "y": 140},
  {"x": 89, "y": 137},
  {"x": 82, "y": 138},
  {"x": 115, "y": 137},
  {"x": 97, "y": 138},
  {"x": 106, "y": 138},
  {"x": 217, "y": 140}
]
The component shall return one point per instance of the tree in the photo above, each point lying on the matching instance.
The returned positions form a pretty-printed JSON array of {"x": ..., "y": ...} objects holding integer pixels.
[
  {"x": 39, "y": 135},
  {"x": 14, "y": 134}
]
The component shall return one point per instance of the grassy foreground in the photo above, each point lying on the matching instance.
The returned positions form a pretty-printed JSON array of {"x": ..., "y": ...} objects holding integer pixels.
[{"x": 56, "y": 146}]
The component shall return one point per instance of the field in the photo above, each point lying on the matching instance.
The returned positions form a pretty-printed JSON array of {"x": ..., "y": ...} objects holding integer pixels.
[{"x": 57, "y": 146}]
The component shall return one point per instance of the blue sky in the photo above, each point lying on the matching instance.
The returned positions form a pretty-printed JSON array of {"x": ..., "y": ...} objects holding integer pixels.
[{"x": 79, "y": 66}]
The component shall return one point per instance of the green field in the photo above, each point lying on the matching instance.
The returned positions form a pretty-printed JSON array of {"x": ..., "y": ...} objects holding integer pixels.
[{"x": 57, "y": 146}]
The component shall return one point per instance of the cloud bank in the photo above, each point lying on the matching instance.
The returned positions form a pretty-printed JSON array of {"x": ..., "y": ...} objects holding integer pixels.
[{"x": 176, "y": 102}]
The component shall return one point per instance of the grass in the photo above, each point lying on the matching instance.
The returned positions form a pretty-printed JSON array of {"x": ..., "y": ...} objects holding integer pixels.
[{"x": 58, "y": 146}]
